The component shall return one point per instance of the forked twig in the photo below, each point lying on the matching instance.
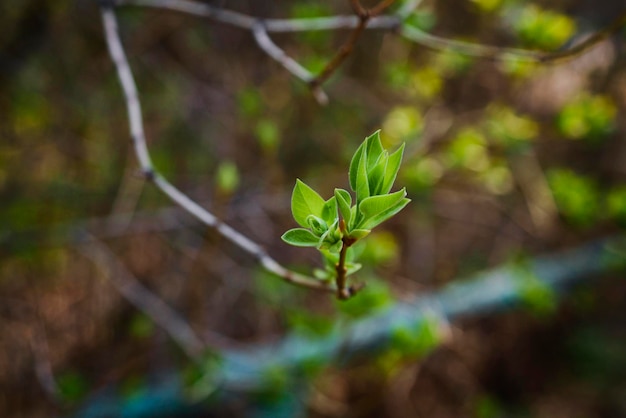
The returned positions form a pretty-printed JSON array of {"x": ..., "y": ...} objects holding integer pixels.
[
  {"x": 266, "y": 44},
  {"x": 384, "y": 22},
  {"x": 133, "y": 106},
  {"x": 364, "y": 15}
]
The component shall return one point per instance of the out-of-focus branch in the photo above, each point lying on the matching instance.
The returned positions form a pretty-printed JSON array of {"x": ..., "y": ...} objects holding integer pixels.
[
  {"x": 248, "y": 22},
  {"x": 266, "y": 44},
  {"x": 245, "y": 371},
  {"x": 364, "y": 15},
  {"x": 384, "y": 22},
  {"x": 133, "y": 105},
  {"x": 505, "y": 54},
  {"x": 142, "y": 298}
]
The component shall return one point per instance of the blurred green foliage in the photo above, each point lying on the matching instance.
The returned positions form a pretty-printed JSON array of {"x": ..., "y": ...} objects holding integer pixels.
[
  {"x": 141, "y": 326},
  {"x": 535, "y": 294},
  {"x": 417, "y": 341},
  {"x": 227, "y": 177},
  {"x": 588, "y": 117},
  {"x": 374, "y": 298},
  {"x": 543, "y": 29},
  {"x": 616, "y": 205},
  {"x": 576, "y": 196},
  {"x": 72, "y": 386},
  {"x": 487, "y": 407},
  {"x": 401, "y": 124},
  {"x": 508, "y": 129}
]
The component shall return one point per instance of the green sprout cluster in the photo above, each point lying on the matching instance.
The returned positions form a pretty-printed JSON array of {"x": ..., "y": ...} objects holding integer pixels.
[{"x": 334, "y": 225}]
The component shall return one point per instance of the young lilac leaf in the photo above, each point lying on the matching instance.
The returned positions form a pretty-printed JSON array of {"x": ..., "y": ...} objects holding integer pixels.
[
  {"x": 327, "y": 245},
  {"x": 391, "y": 170},
  {"x": 352, "y": 268},
  {"x": 317, "y": 225},
  {"x": 374, "y": 205},
  {"x": 330, "y": 260},
  {"x": 304, "y": 202},
  {"x": 344, "y": 200},
  {"x": 354, "y": 165},
  {"x": 355, "y": 218},
  {"x": 336, "y": 247},
  {"x": 330, "y": 237},
  {"x": 374, "y": 148},
  {"x": 300, "y": 237},
  {"x": 329, "y": 211},
  {"x": 357, "y": 234},
  {"x": 376, "y": 174},
  {"x": 323, "y": 274},
  {"x": 383, "y": 216},
  {"x": 335, "y": 232},
  {"x": 362, "y": 184}
]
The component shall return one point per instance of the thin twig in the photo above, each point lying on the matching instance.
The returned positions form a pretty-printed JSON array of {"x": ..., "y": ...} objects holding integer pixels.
[
  {"x": 266, "y": 44},
  {"x": 248, "y": 22},
  {"x": 380, "y": 7},
  {"x": 507, "y": 54},
  {"x": 141, "y": 150},
  {"x": 340, "y": 56},
  {"x": 385, "y": 22},
  {"x": 143, "y": 299},
  {"x": 365, "y": 16}
]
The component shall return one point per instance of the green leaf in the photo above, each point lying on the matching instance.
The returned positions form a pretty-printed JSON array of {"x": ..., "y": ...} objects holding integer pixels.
[
  {"x": 331, "y": 237},
  {"x": 300, "y": 237},
  {"x": 376, "y": 220},
  {"x": 359, "y": 233},
  {"x": 374, "y": 148},
  {"x": 352, "y": 268},
  {"x": 329, "y": 211},
  {"x": 317, "y": 225},
  {"x": 345, "y": 201},
  {"x": 374, "y": 205},
  {"x": 362, "y": 184},
  {"x": 391, "y": 170},
  {"x": 304, "y": 202},
  {"x": 376, "y": 174},
  {"x": 354, "y": 165}
]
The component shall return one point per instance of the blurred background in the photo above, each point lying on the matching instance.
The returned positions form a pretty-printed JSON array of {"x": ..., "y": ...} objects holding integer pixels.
[{"x": 504, "y": 161}]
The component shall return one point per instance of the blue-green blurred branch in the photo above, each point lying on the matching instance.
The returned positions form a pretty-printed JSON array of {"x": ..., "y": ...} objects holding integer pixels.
[{"x": 246, "y": 371}]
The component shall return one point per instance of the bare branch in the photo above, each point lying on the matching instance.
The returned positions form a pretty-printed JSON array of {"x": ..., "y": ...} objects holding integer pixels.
[
  {"x": 342, "y": 54},
  {"x": 385, "y": 22},
  {"x": 141, "y": 150},
  {"x": 248, "y": 22},
  {"x": 364, "y": 15},
  {"x": 267, "y": 45},
  {"x": 507, "y": 54}
]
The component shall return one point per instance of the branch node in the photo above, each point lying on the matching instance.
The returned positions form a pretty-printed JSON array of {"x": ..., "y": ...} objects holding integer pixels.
[{"x": 148, "y": 174}]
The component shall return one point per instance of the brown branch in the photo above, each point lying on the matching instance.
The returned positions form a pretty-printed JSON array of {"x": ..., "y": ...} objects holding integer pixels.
[
  {"x": 340, "y": 56},
  {"x": 346, "y": 49},
  {"x": 380, "y": 7},
  {"x": 344, "y": 292}
]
